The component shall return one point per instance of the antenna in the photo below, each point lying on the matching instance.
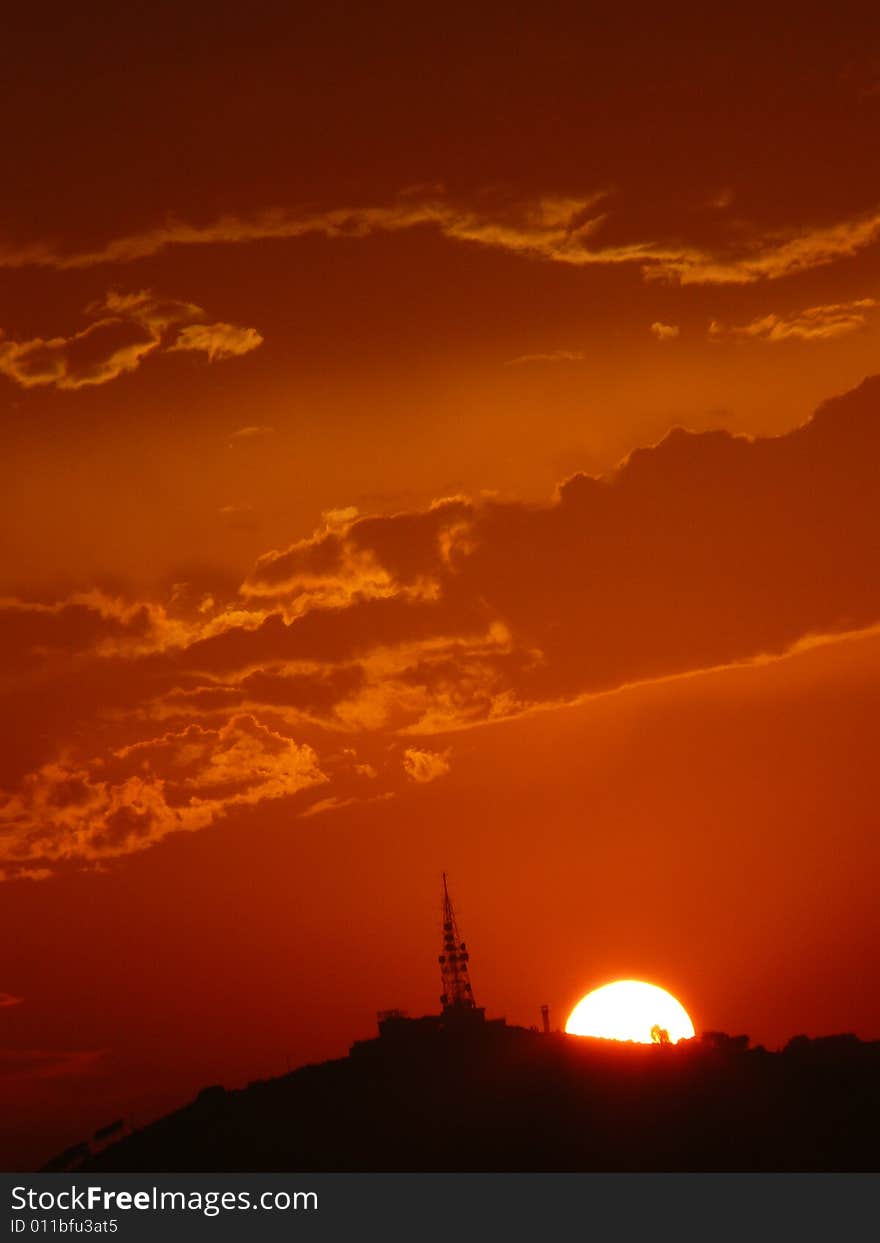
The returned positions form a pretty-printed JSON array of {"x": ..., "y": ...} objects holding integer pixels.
[{"x": 457, "y": 995}]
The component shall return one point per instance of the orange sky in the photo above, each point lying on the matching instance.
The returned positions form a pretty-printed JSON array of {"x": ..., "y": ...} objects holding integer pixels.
[{"x": 346, "y": 536}]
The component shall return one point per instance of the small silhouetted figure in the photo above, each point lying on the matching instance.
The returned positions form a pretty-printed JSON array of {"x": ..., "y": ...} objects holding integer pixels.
[{"x": 659, "y": 1034}]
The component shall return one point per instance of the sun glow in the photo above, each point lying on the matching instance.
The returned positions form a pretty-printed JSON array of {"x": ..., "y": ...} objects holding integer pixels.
[{"x": 630, "y": 1010}]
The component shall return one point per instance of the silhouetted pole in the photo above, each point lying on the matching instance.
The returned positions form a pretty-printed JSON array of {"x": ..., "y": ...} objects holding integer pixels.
[{"x": 545, "y": 1019}]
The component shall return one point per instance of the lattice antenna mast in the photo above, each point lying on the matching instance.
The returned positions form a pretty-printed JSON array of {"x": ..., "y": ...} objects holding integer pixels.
[{"x": 457, "y": 992}]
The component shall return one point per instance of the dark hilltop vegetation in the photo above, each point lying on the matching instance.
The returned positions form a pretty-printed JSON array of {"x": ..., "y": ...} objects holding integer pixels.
[{"x": 506, "y": 1098}]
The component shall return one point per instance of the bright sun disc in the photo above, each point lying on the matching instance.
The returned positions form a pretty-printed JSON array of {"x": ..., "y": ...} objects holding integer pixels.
[{"x": 630, "y": 1010}]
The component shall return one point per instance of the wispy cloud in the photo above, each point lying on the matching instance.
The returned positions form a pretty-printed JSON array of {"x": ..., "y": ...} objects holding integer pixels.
[
  {"x": 549, "y": 222},
  {"x": 125, "y": 329},
  {"x": 553, "y": 356},
  {"x": 816, "y": 323},
  {"x": 767, "y": 257},
  {"x": 254, "y": 431},
  {"x": 665, "y": 332},
  {"x": 217, "y": 340},
  {"x": 554, "y": 228},
  {"x": 104, "y": 350},
  {"x": 335, "y": 803}
]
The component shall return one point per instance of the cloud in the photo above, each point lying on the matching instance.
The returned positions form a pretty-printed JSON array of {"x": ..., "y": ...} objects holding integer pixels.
[
  {"x": 35, "y": 634},
  {"x": 139, "y": 794},
  {"x": 816, "y": 323},
  {"x": 769, "y": 256},
  {"x": 9, "y": 999},
  {"x": 330, "y": 570},
  {"x": 217, "y": 340},
  {"x": 425, "y": 766},
  {"x": 553, "y": 228},
  {"x": 105, "y": 350},
  {"x": 555, "y": 356},
  {"x": 125, "y": 329},
  {"x": 665, "y": 332},
  {"x": 322, "y": 805},
  {"x": 467, "y": 611},
  {"x": 251, "y": 432},
  {"x": 549, "y": 224},
  {"x": 139, "y": 719}
]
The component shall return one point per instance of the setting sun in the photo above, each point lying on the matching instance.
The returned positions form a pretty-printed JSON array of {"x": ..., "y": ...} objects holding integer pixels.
[{"x": 630, "y": 1010}]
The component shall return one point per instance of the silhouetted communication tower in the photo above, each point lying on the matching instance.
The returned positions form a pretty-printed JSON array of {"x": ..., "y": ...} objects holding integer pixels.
[
  {"x": 461, "y": 1019},
  {"x": 457, "y": 995}
]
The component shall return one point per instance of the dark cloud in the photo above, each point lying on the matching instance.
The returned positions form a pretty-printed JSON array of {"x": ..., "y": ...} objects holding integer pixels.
[
  {"x": 32, "y": 634},
  {"x": 705, "y": 550}
]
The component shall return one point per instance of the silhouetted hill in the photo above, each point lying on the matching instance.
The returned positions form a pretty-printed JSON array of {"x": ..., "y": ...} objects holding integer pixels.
[{"x": 510, "y": 1099}]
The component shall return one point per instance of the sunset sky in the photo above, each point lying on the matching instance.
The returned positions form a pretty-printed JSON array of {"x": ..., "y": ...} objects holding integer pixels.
[{"x": 431, "y": 439}]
